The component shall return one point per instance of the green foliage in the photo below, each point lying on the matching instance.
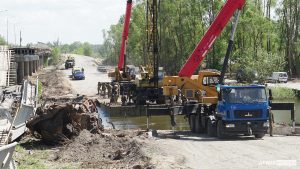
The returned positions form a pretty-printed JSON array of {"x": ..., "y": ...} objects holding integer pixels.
[
  {"x": 78, "y": 48},
  {"x": 38, "y": 158},
  {"x": 264, "y": 63},
  {"x": 87, "y": 49},
  {"x": 40, "y": 90},
  {"x": 181, "y": 25},
  {"x": 2, "y": 41},
  {"x": 56, "y": 52},
  {"x": 30, "y": 161},
  {"x": 281, "y": 93}
]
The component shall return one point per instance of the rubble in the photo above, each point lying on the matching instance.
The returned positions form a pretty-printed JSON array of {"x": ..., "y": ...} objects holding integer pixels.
[{"x": 58, "y": 123}]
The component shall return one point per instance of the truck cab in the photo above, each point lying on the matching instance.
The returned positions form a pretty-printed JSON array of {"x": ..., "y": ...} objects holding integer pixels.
[
  {"x": 201, "y": 87},
  {"x": 242, "y": 110}
]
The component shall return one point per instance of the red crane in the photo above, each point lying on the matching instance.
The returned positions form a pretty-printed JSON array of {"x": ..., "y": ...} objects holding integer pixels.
[
  {"x": 210, "y": 36},
  {"x": 125, "y": 35}
]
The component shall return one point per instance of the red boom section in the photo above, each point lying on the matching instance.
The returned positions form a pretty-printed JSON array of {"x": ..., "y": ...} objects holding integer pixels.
[
  {"x": 210, "y": 36},
  {"x": 125, "y": 34}
]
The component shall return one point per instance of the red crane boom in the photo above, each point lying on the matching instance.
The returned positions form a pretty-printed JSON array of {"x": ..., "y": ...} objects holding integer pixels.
[
  {"x": 210, "y": 36},
  {"x": 125, "y": 35}
]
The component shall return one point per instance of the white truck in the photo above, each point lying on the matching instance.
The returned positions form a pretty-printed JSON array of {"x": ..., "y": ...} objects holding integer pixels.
[{"x": 278, "y": 77}]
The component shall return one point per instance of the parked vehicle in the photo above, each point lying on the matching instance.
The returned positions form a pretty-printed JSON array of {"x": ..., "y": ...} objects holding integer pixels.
[
  {"x": 78, "y": 75},
  {"x": 101, "y": 68},
  {"x": 75, "y": 69},
  {"x": 278, "y": 77}
]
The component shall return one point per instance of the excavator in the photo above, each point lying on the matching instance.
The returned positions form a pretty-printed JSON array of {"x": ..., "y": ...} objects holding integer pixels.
[{"x": 212, "y": 107}]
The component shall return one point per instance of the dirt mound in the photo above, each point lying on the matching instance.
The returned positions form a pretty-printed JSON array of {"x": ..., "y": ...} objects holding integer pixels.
[
  {"x": 114, "y": 150},
  {"x": 55, "y": 84}
]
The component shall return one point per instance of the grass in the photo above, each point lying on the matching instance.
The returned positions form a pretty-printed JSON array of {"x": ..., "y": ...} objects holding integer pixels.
[
  {"x": 281, "y": 93},
  {"x": 34, "y": 155},
  {"x": 29, "y": 161},
  {"x": 40, "y": 90}
]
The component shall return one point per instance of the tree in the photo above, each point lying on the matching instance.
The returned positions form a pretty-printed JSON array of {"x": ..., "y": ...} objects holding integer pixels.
[
  {"x": 183, "y": 23},
  {"x": 2, "y": 41},
  {"x": 87, "y": 49}
]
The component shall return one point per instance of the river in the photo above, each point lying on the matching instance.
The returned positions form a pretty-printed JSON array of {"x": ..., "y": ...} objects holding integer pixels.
[{"x": 164, "y": 123}]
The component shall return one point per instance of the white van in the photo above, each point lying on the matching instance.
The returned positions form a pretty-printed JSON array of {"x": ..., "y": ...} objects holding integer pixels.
[{"x": 278, "y": 77}]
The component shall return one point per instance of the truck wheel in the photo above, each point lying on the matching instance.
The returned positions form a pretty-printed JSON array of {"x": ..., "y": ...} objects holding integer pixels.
[
  {"x": 197, "y": 124},
  {"x": 211, "y": 130},
  {"x": 192, "y": 123},
  {"x": 160, "y": 101},
  {"x": 220, "y": 133},
  {"x": 259, "y": 135}
]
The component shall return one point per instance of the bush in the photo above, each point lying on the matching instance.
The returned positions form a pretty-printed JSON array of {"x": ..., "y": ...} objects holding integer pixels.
[
  {"x": 55, "y": 55},
  {"x": 280, "y": 93},
  {"x": 264, "y": 63}
]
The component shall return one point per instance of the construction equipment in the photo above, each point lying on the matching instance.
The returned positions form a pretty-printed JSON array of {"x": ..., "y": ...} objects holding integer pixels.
[
  {"x": 209, "y": 104},
  {"x": 124, "y": 72},
  {"x": 70, "y": 62},
  {"x": 124, "y": 75},
  {"x": 149, "y": 85}
]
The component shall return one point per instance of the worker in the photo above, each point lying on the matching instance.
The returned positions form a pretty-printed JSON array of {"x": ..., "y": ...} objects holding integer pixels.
[
  {"x": 99, "y": 88},
  {"x": 104, "y": 90},
  {"x": 271, "y": 121},
  {"x": 118, "y": 91},
  {"x": 114, "y": 93},
  {"x": 82, "y": 69},
  {"x": 109, "y": 90}
]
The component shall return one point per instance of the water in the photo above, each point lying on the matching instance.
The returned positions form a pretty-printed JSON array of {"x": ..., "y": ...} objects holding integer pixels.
[
  {"x": 140, "y": 122},
  {"x": 285, "y": 116},
  {"x": 164, "y": 123}
]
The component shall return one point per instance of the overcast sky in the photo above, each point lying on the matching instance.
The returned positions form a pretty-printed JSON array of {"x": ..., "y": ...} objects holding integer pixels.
[{"x": 68, "y": 20}]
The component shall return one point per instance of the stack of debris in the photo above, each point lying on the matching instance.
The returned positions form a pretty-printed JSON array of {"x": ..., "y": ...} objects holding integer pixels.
[{"x": 58, "y": 123}]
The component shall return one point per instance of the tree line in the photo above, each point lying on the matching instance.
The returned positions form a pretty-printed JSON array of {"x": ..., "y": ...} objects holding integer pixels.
[
  {"x": 77, "y": 47},
  {"x": 267, "y": 37}
]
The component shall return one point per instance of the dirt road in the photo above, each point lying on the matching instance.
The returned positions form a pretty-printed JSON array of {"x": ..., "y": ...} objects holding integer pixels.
[
  {"x": 200, "y": 151},
  {"x": 88, "y": 86}
]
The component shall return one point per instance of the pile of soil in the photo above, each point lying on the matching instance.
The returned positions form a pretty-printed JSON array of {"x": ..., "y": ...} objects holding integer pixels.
[
  {"x": 113, "y": 149},
  {"x": 54, "y": 84}
]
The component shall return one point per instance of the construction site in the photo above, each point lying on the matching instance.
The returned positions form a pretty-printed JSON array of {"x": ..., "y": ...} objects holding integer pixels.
[{"x": 69, "y": 110}]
